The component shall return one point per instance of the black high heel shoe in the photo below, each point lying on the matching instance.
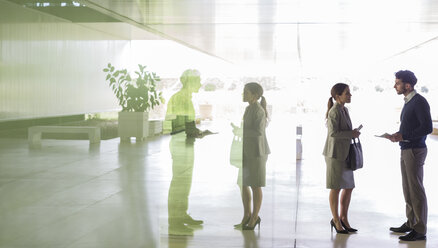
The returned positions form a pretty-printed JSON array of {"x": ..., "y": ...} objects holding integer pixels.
[
  {"x": 242, "y": 224},
  {"x": 348, "y": 229},
  {"x": 246, "y": 227},
  {"x": 332, "y": 223}
]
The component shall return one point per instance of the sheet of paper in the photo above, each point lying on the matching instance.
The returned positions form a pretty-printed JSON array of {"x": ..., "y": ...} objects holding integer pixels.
[
  {"x": 386, "y": 135},
  {"x": 383, "y": 135}
]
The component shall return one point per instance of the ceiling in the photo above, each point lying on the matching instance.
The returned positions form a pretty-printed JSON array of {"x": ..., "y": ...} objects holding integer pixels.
[{"x": 316, "y": 34}]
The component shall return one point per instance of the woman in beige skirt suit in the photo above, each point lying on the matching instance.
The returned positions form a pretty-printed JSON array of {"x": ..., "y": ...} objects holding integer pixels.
[
  {"x": 255, "y": 154},
  {"x": 339, "y": 136}
]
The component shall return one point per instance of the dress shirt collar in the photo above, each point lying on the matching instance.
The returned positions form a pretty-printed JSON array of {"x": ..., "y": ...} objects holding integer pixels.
[{"x": 409, "y": 96}]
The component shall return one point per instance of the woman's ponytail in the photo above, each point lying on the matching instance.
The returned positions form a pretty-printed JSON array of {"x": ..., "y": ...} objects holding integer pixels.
[{"x": 329, "y": 106}]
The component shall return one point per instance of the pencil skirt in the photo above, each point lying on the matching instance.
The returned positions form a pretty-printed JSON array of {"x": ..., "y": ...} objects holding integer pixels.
[
  {"x": 254, "y": 171},
  {"x": 338, "y": 176}
]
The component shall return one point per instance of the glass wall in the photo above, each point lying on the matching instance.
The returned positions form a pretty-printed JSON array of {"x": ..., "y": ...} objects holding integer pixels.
[{"x": 50, "y": 66}]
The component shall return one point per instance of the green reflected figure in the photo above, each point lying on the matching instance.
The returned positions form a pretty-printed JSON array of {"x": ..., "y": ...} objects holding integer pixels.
[
  {"x": 180, "y": 109},
  {"x": 181, "y": 112}
]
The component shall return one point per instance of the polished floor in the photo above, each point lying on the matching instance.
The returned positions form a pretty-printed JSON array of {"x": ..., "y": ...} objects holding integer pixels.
[{"x": 68, "y": 193}]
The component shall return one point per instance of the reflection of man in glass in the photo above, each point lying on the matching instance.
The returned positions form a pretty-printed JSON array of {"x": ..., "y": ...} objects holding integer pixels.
[
  {"x": 181, "y": 113},
  {"x": 180, "y": 108}
]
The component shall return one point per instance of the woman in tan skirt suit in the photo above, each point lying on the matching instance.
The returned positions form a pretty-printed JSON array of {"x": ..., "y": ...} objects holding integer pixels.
[
  {"x": 337, "y": 145},
  {"x": 255, "y": 154}
]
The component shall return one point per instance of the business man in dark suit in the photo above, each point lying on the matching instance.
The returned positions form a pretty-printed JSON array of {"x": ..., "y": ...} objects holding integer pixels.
[{"x": 415, "y": 125}]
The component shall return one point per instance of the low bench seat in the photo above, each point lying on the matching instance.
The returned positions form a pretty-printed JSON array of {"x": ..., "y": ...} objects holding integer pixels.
[{"x": 34, "y": 133}]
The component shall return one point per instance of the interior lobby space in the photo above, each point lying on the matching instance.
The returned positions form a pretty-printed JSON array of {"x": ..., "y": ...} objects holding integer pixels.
[
  {"x": 68, "y": 193},
  {"x": 74, "y": 174}
]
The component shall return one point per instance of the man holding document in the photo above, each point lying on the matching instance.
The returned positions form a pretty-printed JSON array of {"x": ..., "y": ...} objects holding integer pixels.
[{"x": 415, "y": 125}]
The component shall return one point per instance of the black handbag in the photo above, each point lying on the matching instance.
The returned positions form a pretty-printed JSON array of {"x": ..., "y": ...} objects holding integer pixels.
[{"x": 355, "y": 156}]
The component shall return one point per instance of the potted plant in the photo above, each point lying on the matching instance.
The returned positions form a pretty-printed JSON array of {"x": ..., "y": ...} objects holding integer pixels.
[{"x": 137, "y": 96}]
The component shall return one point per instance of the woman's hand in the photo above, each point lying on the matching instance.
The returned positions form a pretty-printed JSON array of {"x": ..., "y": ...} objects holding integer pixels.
[{"x": 356, "y": 133}]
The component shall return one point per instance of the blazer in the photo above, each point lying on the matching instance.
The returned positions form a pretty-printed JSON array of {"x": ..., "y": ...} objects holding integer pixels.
[
  {"x": 254, "y": 139},
  {"x": 339, "y": 133}
]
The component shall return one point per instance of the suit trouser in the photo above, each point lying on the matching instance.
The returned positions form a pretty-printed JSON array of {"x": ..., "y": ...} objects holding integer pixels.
[
  {"x": 412, "y": 161},
  {"x": 183, "y": 158}
]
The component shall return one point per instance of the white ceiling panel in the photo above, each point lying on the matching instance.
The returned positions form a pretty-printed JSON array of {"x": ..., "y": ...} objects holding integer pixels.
[{"x": 309, "y": 33}]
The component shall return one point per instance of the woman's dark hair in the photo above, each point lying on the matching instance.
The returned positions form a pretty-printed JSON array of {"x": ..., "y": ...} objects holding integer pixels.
[
  {"x": 257, "y": 90},
  {"x": 337, "y": 90},
  {"x": 406, "y": 77}
]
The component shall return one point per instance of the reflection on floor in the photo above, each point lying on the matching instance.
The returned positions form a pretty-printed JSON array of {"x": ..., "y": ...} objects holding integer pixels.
[{"x": 70, "y": 194}]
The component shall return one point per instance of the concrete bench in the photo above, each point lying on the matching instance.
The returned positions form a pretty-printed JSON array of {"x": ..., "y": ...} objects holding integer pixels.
[{"x": 34, "y": 133}]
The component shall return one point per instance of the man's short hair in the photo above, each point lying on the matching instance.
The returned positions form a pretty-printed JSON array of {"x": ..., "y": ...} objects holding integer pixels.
[
  {"x": 187, "y": 74},
  {"x": 406, "y": 77}
]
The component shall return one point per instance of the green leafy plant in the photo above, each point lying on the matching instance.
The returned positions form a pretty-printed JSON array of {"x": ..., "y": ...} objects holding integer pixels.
[
  {"x": 209, "y": 87},
  {"x": 379, "y": 88},
  {"x": 134, "y": 94},
  {"x": 424, "y": 89}
]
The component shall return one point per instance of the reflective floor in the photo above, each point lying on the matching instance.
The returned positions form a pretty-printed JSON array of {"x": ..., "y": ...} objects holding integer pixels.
[{"x": 139, "y": 194}]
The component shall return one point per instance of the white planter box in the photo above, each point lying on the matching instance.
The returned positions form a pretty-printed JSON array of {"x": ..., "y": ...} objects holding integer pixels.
[
  {"x": 133, "y": 124},
  {"x": 155, "y": 127}
]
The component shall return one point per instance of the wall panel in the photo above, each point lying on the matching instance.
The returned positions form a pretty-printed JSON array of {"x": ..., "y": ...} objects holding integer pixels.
[{"x": 53, "y": 67}]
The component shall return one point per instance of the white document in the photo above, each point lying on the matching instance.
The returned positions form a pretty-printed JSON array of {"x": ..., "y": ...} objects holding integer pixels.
[{"x": 386, "y": 135}]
